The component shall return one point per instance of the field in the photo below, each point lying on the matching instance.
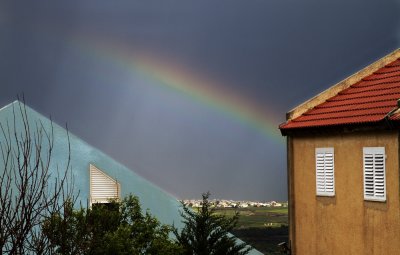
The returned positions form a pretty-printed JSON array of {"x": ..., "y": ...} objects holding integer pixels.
[{"x": 261, "y": 227}]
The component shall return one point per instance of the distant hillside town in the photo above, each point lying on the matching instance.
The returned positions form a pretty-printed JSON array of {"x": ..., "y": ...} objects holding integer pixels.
[{"x": 222, "y": 203}]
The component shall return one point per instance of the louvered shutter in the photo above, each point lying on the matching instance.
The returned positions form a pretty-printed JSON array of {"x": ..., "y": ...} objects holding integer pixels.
[
  {"x": 325, "y": 174},
  {"x": 374, "y": 174},
  {"x": 102, "y": 187}
]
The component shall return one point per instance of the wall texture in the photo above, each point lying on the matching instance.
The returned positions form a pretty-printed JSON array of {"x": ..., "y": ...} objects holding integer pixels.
[{"x": 345, "y": 223}]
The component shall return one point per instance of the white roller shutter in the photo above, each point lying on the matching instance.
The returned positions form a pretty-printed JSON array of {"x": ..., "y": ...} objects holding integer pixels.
[
  {"x": 325, "y": 174},
  {"x": 102, "y": 187},
  {"x": 374, "y": 173}
]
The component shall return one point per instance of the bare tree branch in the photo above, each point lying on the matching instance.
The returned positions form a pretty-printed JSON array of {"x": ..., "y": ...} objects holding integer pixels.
[{"x": 32, "y": 187}]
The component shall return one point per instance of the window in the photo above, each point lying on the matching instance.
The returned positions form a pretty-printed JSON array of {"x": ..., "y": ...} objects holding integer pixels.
[
  {"x": 325, "y": 178},
  {"x": 374, "y": 174},
  {"x": 102, "y": 187}
]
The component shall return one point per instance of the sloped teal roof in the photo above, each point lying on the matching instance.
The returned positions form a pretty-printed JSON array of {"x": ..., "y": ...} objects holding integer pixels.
[{"x": 162, "y": 205}]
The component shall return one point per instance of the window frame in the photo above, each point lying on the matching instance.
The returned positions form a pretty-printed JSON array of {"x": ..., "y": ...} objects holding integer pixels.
[
  {"x": 318, "y": 153},
  {"x": 374, "y": 151}
]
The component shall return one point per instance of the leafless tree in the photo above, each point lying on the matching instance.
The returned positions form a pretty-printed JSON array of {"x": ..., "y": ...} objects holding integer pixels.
[{"x": 32, "y": 187}]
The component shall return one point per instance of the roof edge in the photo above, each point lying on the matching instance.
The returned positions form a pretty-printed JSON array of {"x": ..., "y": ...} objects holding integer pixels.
[
  {"x": 347, "y": 82},
  {"x": 9, "y": 104}
]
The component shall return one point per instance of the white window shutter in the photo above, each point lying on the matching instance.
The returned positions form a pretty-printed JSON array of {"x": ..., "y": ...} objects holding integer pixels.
[
  {"x": 325, "y": 172},
  {"x": 102, "y": 187},
  {"x": 374, "y": 174}
]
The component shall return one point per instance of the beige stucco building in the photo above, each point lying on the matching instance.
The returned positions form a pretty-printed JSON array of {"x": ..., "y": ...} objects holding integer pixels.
[{"x": 343, "y": 165}]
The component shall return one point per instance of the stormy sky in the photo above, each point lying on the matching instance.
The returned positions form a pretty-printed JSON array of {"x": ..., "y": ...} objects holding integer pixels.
[{"x": 81, "y": 63}]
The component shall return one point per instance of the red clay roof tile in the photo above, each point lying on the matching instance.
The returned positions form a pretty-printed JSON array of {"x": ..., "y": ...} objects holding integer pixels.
[{"x": 369, "y": 100}]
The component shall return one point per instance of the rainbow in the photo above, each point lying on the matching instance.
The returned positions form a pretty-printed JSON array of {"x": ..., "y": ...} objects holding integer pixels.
[{"x": 189, "y": 84}]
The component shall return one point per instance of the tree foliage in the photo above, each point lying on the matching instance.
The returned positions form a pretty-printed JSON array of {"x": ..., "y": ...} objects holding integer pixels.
[
  {"x": 114, "y": 228},
  {"x": 207, "y": 233}
]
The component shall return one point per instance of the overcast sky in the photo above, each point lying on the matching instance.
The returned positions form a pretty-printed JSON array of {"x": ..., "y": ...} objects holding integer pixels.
[{"x": 86, "y": 63}]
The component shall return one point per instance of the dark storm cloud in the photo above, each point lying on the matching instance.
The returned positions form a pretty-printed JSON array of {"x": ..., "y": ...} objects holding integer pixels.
[
  {"x": 266, "y": 42},
  {"x": 278, "y": 53}
]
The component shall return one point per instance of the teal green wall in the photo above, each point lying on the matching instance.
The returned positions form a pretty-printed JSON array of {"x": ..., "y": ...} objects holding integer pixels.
[{"x": 162, "y": 205}]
